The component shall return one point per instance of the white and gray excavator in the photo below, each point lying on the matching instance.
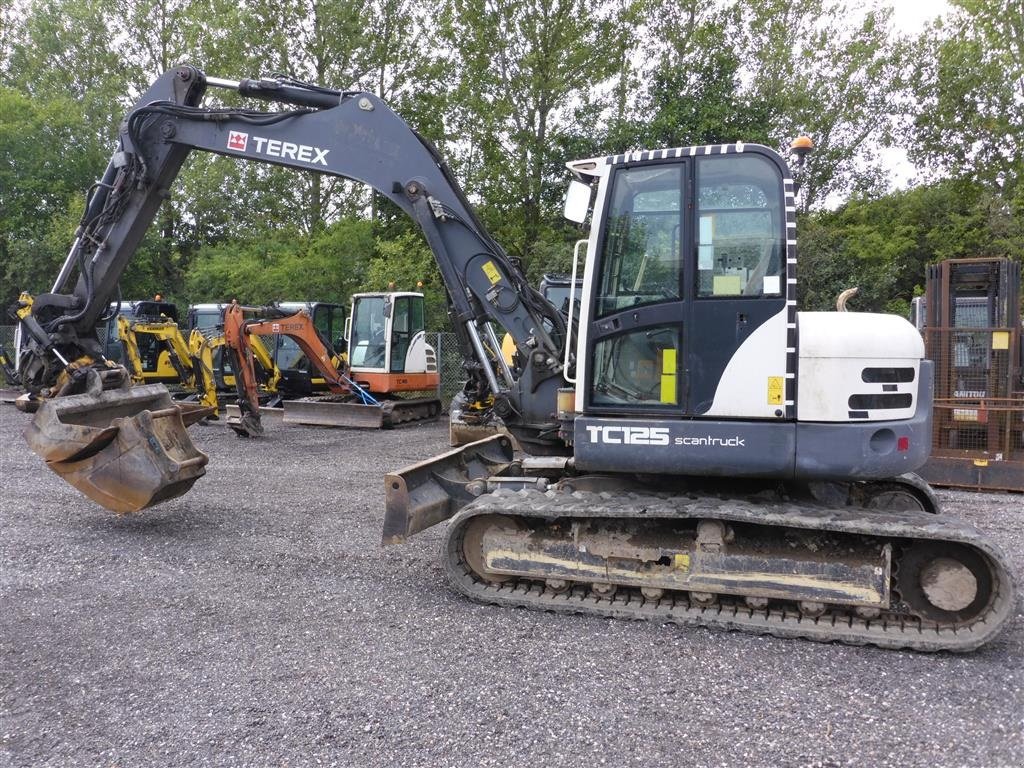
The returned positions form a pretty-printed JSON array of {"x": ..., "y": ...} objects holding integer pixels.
[{"x": 692, "y": 450}]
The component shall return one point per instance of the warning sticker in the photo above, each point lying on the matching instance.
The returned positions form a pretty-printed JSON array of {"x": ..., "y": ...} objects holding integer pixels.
[
  {"x": 776, "y": 389},
  {"x": 492, "y": 272}
]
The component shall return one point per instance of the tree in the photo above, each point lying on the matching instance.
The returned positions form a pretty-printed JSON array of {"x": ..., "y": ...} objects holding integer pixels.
[
  {"x": 328, "y": 265},
  {"x": 883, "y": 244},
  {"x": 689, "y": 81},
  {"x": 520, "y": 67},
  {"x": 406, "y": 262},
  {"x": 968, "y": 86},
  {"x": 814, "y": 71},
  {"x": 46, "y": 163}
]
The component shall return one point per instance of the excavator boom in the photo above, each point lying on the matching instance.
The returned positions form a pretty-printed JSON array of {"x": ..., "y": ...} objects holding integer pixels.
[{"x": 348, "y": 134}]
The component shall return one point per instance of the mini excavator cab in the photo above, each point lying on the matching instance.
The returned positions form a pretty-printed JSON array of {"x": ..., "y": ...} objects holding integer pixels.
[{"x": 387, "y": 343}]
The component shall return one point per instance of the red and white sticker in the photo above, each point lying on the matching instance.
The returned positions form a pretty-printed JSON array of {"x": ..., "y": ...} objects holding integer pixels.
[{"x": 238, "y": 140}]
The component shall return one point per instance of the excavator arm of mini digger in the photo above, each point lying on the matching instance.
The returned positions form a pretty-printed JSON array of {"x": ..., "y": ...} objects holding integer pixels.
[
  {"x": 184, "y": 356},
  {"x": 349, "y": 134},
  {"x": 241, "y": 338}
]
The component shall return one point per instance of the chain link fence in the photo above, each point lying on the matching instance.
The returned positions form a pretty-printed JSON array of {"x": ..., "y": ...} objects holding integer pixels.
[
  {"x": 7, "y": 343},
  {"x": 449, "y": 365}
]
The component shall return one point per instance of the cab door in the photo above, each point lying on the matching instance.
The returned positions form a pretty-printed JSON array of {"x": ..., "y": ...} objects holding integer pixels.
[
  {"x": 737, "y": 350},
  {"x": 635, "y": 337},
  {"x": 689, "y": 312}
]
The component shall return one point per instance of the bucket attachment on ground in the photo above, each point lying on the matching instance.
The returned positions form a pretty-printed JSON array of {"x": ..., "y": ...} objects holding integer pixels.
[
  {"x": 462, "y": 433},
  {"x": 468, "y": 424},
  {"x": 432, "y": 491},
  {"x": 243, "y": 426},
  {"x": 387, "y": 414},
  {"x": 126, "y": 449}
]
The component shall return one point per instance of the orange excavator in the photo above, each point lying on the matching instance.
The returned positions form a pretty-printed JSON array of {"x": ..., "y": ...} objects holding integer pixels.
[{"x": 350, "y": 404}]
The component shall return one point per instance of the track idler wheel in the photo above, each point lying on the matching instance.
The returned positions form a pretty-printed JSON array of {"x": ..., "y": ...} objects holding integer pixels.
[
  {"x": 473, "y": 544},
  {"x": 893, "y": 497},
  {"x": 944, "y": 582}
]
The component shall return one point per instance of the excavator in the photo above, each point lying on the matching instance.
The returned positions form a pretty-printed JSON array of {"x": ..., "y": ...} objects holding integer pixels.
[
  {"x": 696, "y": 451},
  {"x": 184, "y": 358},
  {"x": 294, "y": 378},
  {"x": 187, "y": 363},
  {"x": 353, "y": 403}
]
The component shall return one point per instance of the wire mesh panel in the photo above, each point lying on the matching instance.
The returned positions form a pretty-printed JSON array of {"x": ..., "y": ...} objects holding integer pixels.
[
  {"x": 449, "y": 363},
  {"x": 973, "y": 335},
  {"x": 977, "y": 407}
]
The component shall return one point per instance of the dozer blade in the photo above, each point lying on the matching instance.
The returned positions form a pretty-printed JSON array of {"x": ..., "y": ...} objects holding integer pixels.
[
  {"x": 272, "y": 416},
  {"x": 126, "y": 449},
  {"x": 332, "y": 413},
  {"x": 432, "y": 491},
  {"x": 9, "y": 395}
]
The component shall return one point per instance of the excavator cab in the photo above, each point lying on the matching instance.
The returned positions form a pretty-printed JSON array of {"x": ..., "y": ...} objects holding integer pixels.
[{"x": 387, "y": 342}]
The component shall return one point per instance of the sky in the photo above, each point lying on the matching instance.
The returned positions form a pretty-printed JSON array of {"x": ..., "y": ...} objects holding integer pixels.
[{"x": 912, "y": 15}]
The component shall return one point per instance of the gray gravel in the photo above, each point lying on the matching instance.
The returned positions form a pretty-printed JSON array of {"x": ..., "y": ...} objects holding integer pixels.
[{"x": 257, "y": 621}]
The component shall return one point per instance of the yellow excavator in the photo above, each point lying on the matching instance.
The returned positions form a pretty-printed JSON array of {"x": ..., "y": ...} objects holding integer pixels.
[
  {"x": 694, "y": 450},
  {"x": 189, "y": 365}
]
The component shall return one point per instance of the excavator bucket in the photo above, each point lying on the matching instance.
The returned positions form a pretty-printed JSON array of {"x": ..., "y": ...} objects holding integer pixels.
[
  {"x": 432, "y": 491},
  {"x": 126, "y": 449}
]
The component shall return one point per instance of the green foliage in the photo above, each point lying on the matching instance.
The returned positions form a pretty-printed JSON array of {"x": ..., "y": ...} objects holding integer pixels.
[
  {"x": 519, "y": 67},
  {"x": 284, "y": 266},
  {"x": 45, "y": 167},
  {"x": 405, "y": 263},
  {"x": 968, "y": 86},
  {"x": 882, "y": 245},
  {"x": 509, "y": 90}
]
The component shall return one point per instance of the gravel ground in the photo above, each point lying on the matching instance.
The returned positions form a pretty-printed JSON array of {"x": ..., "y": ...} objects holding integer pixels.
[{"x": 258, "y": 621}]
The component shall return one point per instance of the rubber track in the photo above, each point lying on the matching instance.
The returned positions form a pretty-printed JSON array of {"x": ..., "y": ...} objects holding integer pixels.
[
  {"x": 891, "y": 630},
  {"x": 400, "y": 411}
]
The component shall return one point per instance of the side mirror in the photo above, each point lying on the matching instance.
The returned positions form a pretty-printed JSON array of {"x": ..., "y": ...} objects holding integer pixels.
[{"x": 577, "y": 201}]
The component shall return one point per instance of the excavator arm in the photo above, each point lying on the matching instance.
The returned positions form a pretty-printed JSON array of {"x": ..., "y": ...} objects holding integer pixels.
[
  {"x": 241, "y": 338},
  {"x": 186, "y": 357},
  {"x": 349, "y": 134},
  {"x": 170, "y": 339}
]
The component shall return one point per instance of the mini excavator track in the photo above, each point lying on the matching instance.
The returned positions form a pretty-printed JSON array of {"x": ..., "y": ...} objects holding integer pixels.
[{"x": 907, "y": 580}]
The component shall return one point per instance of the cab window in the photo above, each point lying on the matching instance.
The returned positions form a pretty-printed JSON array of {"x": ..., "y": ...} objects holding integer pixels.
[
  {"x": 641, "y": 257},
  {"x": 739, "y": 227}
]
